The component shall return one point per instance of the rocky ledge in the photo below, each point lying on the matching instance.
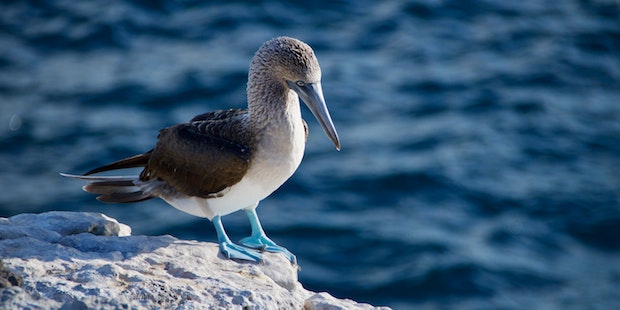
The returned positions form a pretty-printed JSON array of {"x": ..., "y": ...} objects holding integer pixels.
[{"x": 69, "y": 260}]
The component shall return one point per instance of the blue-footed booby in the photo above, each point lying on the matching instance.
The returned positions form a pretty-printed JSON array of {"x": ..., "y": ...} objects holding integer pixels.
[{"x": 225, "y": 161}]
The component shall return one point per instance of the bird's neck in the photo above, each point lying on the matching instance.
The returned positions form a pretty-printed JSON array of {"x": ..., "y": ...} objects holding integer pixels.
[
  {"x": 271, "y": 104},
  {"x": 275, "y": 119}
]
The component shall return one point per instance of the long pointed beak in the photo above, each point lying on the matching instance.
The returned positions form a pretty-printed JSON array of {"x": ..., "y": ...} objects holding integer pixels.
[{"x": 312, "y": 95}]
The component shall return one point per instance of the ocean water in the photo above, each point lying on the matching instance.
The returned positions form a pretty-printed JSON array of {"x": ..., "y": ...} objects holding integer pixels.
[{"x": 480, "y": 161}]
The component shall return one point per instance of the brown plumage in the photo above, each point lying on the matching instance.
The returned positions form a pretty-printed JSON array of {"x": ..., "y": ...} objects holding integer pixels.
[{"x": 200, "y": 158}]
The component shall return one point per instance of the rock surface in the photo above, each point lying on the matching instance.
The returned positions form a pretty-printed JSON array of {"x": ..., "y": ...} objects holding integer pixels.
[{"x": 68, "y": 260}]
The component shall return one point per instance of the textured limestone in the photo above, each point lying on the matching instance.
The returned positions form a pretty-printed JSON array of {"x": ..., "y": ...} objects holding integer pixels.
[{"x": 75, "y": 260}]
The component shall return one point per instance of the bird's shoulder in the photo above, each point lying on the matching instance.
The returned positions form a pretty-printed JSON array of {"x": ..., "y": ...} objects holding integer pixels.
[{"x": 224, "y": 126}]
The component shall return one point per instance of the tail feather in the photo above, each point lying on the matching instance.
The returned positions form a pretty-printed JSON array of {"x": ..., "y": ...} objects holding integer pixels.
[
  {"x": 113, "y": 189},
  {"x": 109, "y": 184},
  {"x": 140, "y": 160},
  {"x": 120, "y": 197}
]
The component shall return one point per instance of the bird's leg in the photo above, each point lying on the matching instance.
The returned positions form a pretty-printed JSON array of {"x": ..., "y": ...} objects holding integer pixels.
[
  {"x": 259, "y": 240},
  {"x": 230, "y": 249}
]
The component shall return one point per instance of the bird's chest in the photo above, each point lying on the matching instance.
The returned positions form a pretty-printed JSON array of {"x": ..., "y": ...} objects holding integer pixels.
[{"x": 278, "y": 154}]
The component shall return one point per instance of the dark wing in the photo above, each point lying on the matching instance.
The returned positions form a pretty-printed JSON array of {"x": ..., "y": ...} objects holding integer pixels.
[
  {"x": 142, "y": 160},
  {"x": 202, "y": 157}
]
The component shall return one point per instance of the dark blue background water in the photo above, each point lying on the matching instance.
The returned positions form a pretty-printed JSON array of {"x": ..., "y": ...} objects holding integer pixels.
[{"x": 480, "y": 139}]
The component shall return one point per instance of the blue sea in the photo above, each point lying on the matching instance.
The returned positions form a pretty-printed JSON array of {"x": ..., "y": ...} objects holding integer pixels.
[{"x": 480, "y": 161}]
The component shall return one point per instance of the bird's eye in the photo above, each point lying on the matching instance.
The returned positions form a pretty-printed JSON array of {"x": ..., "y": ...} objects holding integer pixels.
[{"x": 300, "y": 83}]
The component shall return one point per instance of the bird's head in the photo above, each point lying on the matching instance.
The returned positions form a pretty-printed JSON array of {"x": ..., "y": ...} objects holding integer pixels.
[{"x": 295, "y": 63}]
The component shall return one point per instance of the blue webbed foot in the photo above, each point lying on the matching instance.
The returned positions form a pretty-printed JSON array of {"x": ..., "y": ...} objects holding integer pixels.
[
  {"x": 235, "y": 251},
  {"x": 259, "y": 240},
  {"x": 263, "y": 243},
  {"x": 232, "y": 250}
]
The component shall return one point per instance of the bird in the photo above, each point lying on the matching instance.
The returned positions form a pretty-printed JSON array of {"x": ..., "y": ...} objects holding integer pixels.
[{"x": 224, "y": 161}]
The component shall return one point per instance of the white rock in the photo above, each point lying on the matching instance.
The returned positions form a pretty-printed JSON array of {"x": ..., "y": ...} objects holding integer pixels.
[
  {"x": 324, "y": 301},
  {"x": 74, "y": 260}
]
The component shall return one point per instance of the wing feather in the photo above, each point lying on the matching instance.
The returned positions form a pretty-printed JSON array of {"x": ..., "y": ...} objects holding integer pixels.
[{"x": 202, "y": 157}]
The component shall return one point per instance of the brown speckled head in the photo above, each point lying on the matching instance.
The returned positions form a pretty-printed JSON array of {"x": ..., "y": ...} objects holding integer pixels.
[{"x": 284, "y": 59}]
